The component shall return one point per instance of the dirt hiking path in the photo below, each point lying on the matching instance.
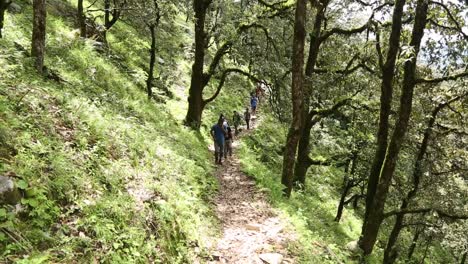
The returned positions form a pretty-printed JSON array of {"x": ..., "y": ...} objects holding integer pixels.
[{"x": 252, "y": 232}]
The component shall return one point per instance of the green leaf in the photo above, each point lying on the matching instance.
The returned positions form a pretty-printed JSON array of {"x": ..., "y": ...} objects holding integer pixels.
[
  {"x": 22, "y": 184},
  {"x": 3, "y": 212}
]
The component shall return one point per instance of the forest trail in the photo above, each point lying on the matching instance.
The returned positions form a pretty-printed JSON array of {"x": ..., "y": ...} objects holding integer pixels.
[{"x": 252, "y": 232}]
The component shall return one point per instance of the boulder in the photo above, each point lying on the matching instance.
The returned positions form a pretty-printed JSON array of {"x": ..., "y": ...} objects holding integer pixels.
[
  {"x": 353, "y": 246},
  {"x": 8, "y": 192},
  {"x": 271, "y": 258}
]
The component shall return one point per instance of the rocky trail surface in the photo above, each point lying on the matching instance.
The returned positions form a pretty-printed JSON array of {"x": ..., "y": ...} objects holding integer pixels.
[{"x": 252, "y": 232}]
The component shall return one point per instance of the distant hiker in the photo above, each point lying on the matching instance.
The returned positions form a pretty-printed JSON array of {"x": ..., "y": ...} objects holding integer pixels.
[
  {"x": 218, "y": 133},
  {"x": 259, "y": 92},
  {"x": 236, "y": 118},
  {"x": 228, "y": 139},
  {"x": 253, "y": 103},
  {"x": 247, "y": 117}
]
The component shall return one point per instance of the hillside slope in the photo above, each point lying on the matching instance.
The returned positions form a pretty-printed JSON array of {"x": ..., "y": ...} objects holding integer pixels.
[{"x": 104, "y": 173}]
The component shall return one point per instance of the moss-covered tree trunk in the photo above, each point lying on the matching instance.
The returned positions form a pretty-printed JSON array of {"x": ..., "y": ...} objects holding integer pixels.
[
  {"x": 39, "y": 33},
  {"x": 375, "y": 215},
  {"x": 390, "y": 253},
  {"x": 149, "y": 81},
  {"x": 197, "y": 82},
  {"x": 414, "y": 243},
  {"x": 348, "y": 183},
  {"x": 302, "y": 160},
  {"x": 463, "y": 258},
  {"x": 3, "y": 7},
  {"x": 388, "y": 71},
  {"x": 81, "y": 19},
  {"x": 297, "y": 97}
]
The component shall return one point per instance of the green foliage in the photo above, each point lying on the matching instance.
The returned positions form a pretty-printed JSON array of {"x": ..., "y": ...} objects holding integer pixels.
[
  {"x": 104, "y": 173},
  {"x": 311, "y": 212}
]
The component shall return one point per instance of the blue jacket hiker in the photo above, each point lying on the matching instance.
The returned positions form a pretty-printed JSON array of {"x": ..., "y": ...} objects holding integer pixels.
[
  {"x": 253, "y": 103},
  {"x": 218, "y": 133}
]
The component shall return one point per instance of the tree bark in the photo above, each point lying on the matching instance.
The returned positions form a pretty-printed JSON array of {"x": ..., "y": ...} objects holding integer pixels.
[
  {"x": 39, "y": 33},
  {"x": 3, "y": 7},
  {"x": 414, "y": 243},
  {"x": 302, "y": 160},
  {"x": 195, "y": 99},
  {"x": 347, "y": 185},
  {"x": 463, "y": 258},
  {"x": 385, "y": 104},
  {"x": 428, "y": 245},
  {"x": 344, "y": 193},
  {"x": 390, "y": 253},
  {"x": 81, "y": 19},
  {"x": 297, "y": 97},
  {"x": 375, "y": 215},
  {"x": 149, "y": 81},
  {"x": 302, "y": 164},
  {"x": 111, "y": 15}
]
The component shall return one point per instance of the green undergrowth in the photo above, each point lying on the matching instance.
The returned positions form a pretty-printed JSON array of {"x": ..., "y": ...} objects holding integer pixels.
[
  {"x": 105, "y": 174},
  {"x": 310, "y": 212}
]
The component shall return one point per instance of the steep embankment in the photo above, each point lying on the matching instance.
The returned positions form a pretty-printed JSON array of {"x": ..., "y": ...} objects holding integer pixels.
[{"x": 104, "y": 174}]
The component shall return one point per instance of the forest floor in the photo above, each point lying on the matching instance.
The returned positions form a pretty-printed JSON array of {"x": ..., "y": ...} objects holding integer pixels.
[{"x": 252, "y": 231}]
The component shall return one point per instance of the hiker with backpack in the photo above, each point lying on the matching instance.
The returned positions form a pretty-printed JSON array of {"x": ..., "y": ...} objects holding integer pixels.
[
  {"x": 236, "y": 118},
  {"x": 218, "y": 134},
  {"x": 259, "y": 92},
  {"x": 253, "y": 103},
  {"x": 228, "y": 139},
  {"x": 247, "y": 117}
]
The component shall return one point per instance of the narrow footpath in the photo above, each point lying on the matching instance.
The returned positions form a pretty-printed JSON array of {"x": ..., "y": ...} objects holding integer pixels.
[{"x": 252, "y": 232}]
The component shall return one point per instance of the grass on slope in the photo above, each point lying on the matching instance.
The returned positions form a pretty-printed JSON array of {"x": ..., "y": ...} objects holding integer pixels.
[{"x": 106, "y": 175}]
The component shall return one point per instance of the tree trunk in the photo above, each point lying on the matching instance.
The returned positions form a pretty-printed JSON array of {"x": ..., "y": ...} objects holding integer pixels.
[
  {"x": 149, "y": 81},
  {"x": 428, "y": 245},
  {"x": 297, "y": 96},
  {"x": 385, "y": 104},
  {"x": 375, "y": 216},
  {"x": 463, "y": 258},
  {"x": 390, "y": 252},
  {"x": 347, "y": 185},
  {"x": 414, "y": 243},
  {"x": 107, "y": 26},
  {"x": 3, "y": 6},
  {"x": 344, "y": 193},
  {"x": 81, "y": 19},
  {"x": 197, "y": 83},
  {"x": 302, "y": 161},
  {"x": 39, "y": 33}
]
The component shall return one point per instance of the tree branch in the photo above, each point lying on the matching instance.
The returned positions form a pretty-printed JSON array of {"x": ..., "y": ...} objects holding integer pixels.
[
  {"x": 223, "y": 50},
  {"x": 273, "y": 5},
  {"x": 425, "y": 210},
  {"x": 442, "y": 79},
  {"x": 341, "y": 31},
  {"x": 457, "y": 25},
  {"x": 347, "y": 70},
  {"x": 246, "y": 27},
  {"x": 379, "y": 49},
  {"x": 223, "y": 80}
]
